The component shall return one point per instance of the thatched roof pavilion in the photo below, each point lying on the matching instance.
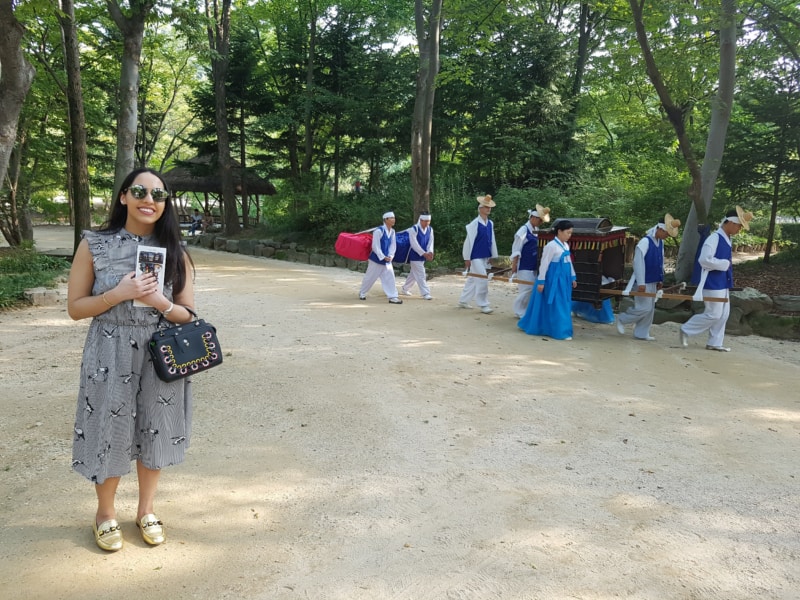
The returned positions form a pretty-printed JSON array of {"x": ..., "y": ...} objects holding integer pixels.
[{"x": 199, "y": 175}]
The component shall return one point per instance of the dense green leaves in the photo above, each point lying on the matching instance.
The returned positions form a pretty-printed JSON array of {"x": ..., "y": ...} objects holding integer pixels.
[{"x": 545, "y": 100}]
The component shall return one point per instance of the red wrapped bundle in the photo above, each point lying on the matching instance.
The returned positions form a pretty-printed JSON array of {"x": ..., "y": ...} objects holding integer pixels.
[{"x": 356, "y": 246}]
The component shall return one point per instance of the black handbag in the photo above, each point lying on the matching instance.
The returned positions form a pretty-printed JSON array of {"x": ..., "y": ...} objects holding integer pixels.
[{"x": 185, "y": 349}]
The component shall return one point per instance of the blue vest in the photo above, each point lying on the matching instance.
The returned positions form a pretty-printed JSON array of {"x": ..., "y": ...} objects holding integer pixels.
[
  {"x": 529, "y": 255},
  {"x": 721, "y": 280},
  {"x": 482, "y": 248},
  {"x": 386, "y": 242},
  {"x": 423, "y": 239},
  {"x": 654, "y": 261}
]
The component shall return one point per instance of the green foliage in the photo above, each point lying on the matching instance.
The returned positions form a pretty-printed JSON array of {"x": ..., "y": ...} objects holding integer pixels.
[
  {"x": 776, "y": 327},
  {"x": 24, "y": 268},
  {"x": 791, "y": 232},
  {"x": 52, "y": 212}
]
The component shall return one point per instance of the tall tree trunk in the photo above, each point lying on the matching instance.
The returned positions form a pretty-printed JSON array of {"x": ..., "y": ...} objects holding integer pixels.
[
  {"x": 675, "y": 113},
  {"x": 219, "y": 42},
  {"x": 16, "y": 76},
  {"x": 429, "y": 27},
  {"x": 132, "y": 29},
  {"x": 16, "y": 224},
  {"x": 309, "y": 102},
  {"x": 776, "y": 195},
  {"x": 703, "y": 181},
  {"x": 78, "y": 163},
  {"x": 721, "y": 108},
  {"x": 587, "y": 23},
  {"x": 243, "y": 162}
]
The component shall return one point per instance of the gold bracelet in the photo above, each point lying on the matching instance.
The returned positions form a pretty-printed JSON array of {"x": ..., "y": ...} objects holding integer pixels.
[{"x": 106, "y": 301}]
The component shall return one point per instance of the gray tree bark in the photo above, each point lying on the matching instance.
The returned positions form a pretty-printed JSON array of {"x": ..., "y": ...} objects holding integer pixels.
[
  {"x": 219, "y": 42},
  {"x": 132, "y": 29},
  {"x": 16, "y": 76},
  {"x": 78, "y": 163},
  {"x": 429, "y": 27},
  {"x": 715, "y": 144}
]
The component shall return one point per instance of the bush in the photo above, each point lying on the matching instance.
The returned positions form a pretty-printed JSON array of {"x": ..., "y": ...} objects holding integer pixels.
[
  {"x": 791, "y": 232},
  {"x": 24, "y": 268}
]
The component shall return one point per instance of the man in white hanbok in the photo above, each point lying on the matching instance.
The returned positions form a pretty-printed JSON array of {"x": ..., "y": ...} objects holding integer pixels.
[
  {"x": 648, "y": 276},
  {"x": 379, "y": 265},
  {"x": 479, "y": 249},
  {"x": 716, "y": 281},
  {"x": 525, "y": 257},
  {"x": 420, "y": 237}
]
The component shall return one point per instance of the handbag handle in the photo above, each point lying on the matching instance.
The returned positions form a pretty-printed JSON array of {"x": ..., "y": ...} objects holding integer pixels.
[{"x": 162, "y": 319}]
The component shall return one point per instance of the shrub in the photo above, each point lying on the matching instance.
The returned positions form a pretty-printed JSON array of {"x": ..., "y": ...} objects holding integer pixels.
[{"x": 24, "y": 268}]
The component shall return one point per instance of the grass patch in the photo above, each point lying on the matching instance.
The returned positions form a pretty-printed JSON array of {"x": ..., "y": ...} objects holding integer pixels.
[
  {"x": 775, "y": 327},
  {"x": 24, "y": 268},
  {"x": 786, "y": 260}
]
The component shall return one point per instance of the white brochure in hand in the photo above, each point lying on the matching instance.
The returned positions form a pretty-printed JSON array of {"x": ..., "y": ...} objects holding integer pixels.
[{"x": 151, "y": 259}]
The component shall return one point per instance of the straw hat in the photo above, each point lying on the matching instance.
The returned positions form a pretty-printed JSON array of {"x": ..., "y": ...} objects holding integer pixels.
[
  {"x": 542, "y": 212},
  {"x": 486, "y": 201},
  {"x": 671, "y": 225},
  {"x": 744, "y": 218}
]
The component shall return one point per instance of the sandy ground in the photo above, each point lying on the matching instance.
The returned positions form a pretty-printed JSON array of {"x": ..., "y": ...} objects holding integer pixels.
[{"x": 359, "y": 450}]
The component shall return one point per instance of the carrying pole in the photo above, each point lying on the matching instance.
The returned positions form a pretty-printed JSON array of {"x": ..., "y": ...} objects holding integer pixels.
[
  {"x": 607, "y": 292},
  {"x": 665, "y": 296}
]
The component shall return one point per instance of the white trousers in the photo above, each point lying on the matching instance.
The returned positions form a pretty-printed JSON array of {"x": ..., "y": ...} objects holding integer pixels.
[
  {"x": 525, "y": 291},
  {"x": 641, "y": 312},
  {"x": 385, "y": 273},
  {"x": 417, "y": 275},
  {"x": 476, "y": 287},
  {"x": 712, "y": 319}
]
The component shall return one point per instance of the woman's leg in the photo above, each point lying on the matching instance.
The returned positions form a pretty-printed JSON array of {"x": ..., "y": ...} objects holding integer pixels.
[
  {"x": 106, "y": 493},
  {"x": 148, "y": 483}
]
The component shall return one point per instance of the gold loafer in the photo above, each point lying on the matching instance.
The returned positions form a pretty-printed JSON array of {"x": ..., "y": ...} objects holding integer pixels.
[
  {"x": 152, "y": 530},
  {"x": 108, "y": 535}
]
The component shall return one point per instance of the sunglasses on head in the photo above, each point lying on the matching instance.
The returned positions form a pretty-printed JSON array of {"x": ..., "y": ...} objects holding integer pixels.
[{"x": 140, "y": 193}]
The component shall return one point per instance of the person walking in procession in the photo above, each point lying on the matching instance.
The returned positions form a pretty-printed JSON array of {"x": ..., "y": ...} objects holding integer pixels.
[
  {"x": 716, "y": 281},
  {"x": 379, "y": 265},
  {"x": 550, "y": 309},
  {"x": 125, "y": 413},
  {"x": 525, "y": 257},
  {"x": 479, "y": 249},
  {"x": 420, "y": 236},
  {"x": 648, "y": 276}
]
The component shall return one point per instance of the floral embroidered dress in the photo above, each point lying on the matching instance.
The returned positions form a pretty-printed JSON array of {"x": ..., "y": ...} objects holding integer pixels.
[{"x": 125, "y": 412}]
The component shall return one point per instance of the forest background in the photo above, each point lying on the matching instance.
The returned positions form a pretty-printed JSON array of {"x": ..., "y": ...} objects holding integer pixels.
[{"x": 602, "y": 108}]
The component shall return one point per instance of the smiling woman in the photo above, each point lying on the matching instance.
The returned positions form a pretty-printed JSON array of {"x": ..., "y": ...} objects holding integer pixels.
[{"x": 125, "y": 412}]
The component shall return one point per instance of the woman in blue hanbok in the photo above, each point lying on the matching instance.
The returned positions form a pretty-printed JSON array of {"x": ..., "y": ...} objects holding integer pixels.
[{"x": 550, "y": 310}]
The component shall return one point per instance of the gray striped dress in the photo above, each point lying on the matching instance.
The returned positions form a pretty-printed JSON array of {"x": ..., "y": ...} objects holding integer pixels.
[{"x": 125, "y": 412}]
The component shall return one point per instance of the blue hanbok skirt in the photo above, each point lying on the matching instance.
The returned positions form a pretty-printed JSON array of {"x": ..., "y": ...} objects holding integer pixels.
[
  {"x": 587, "y": 311},
  {"x": 550, "y": 312}
]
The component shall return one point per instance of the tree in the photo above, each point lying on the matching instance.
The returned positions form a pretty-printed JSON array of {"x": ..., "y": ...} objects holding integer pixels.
[
  {"x": 77, "y": 160},
  {"x": 428, "y": 21},
  {"x": 704, "y": 179},
  {"x": 219, "y": 32},
  {"x": 132, "y": 28},
  {"x": 16, "y": 76}
]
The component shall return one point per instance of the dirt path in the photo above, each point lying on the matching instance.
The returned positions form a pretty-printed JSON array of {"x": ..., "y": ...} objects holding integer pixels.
[{"x": 358, "y": 450}]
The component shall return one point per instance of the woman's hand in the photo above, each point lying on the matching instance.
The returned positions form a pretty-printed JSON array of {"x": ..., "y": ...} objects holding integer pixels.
[
  {"x": 574, "y": 284},
  {"x": 540, "y": 288},
  {"x": 143, "y": 288}
]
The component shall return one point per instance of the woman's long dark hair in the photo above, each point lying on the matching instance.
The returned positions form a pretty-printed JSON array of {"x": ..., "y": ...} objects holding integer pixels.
[{"x": 167, "y": 231}]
